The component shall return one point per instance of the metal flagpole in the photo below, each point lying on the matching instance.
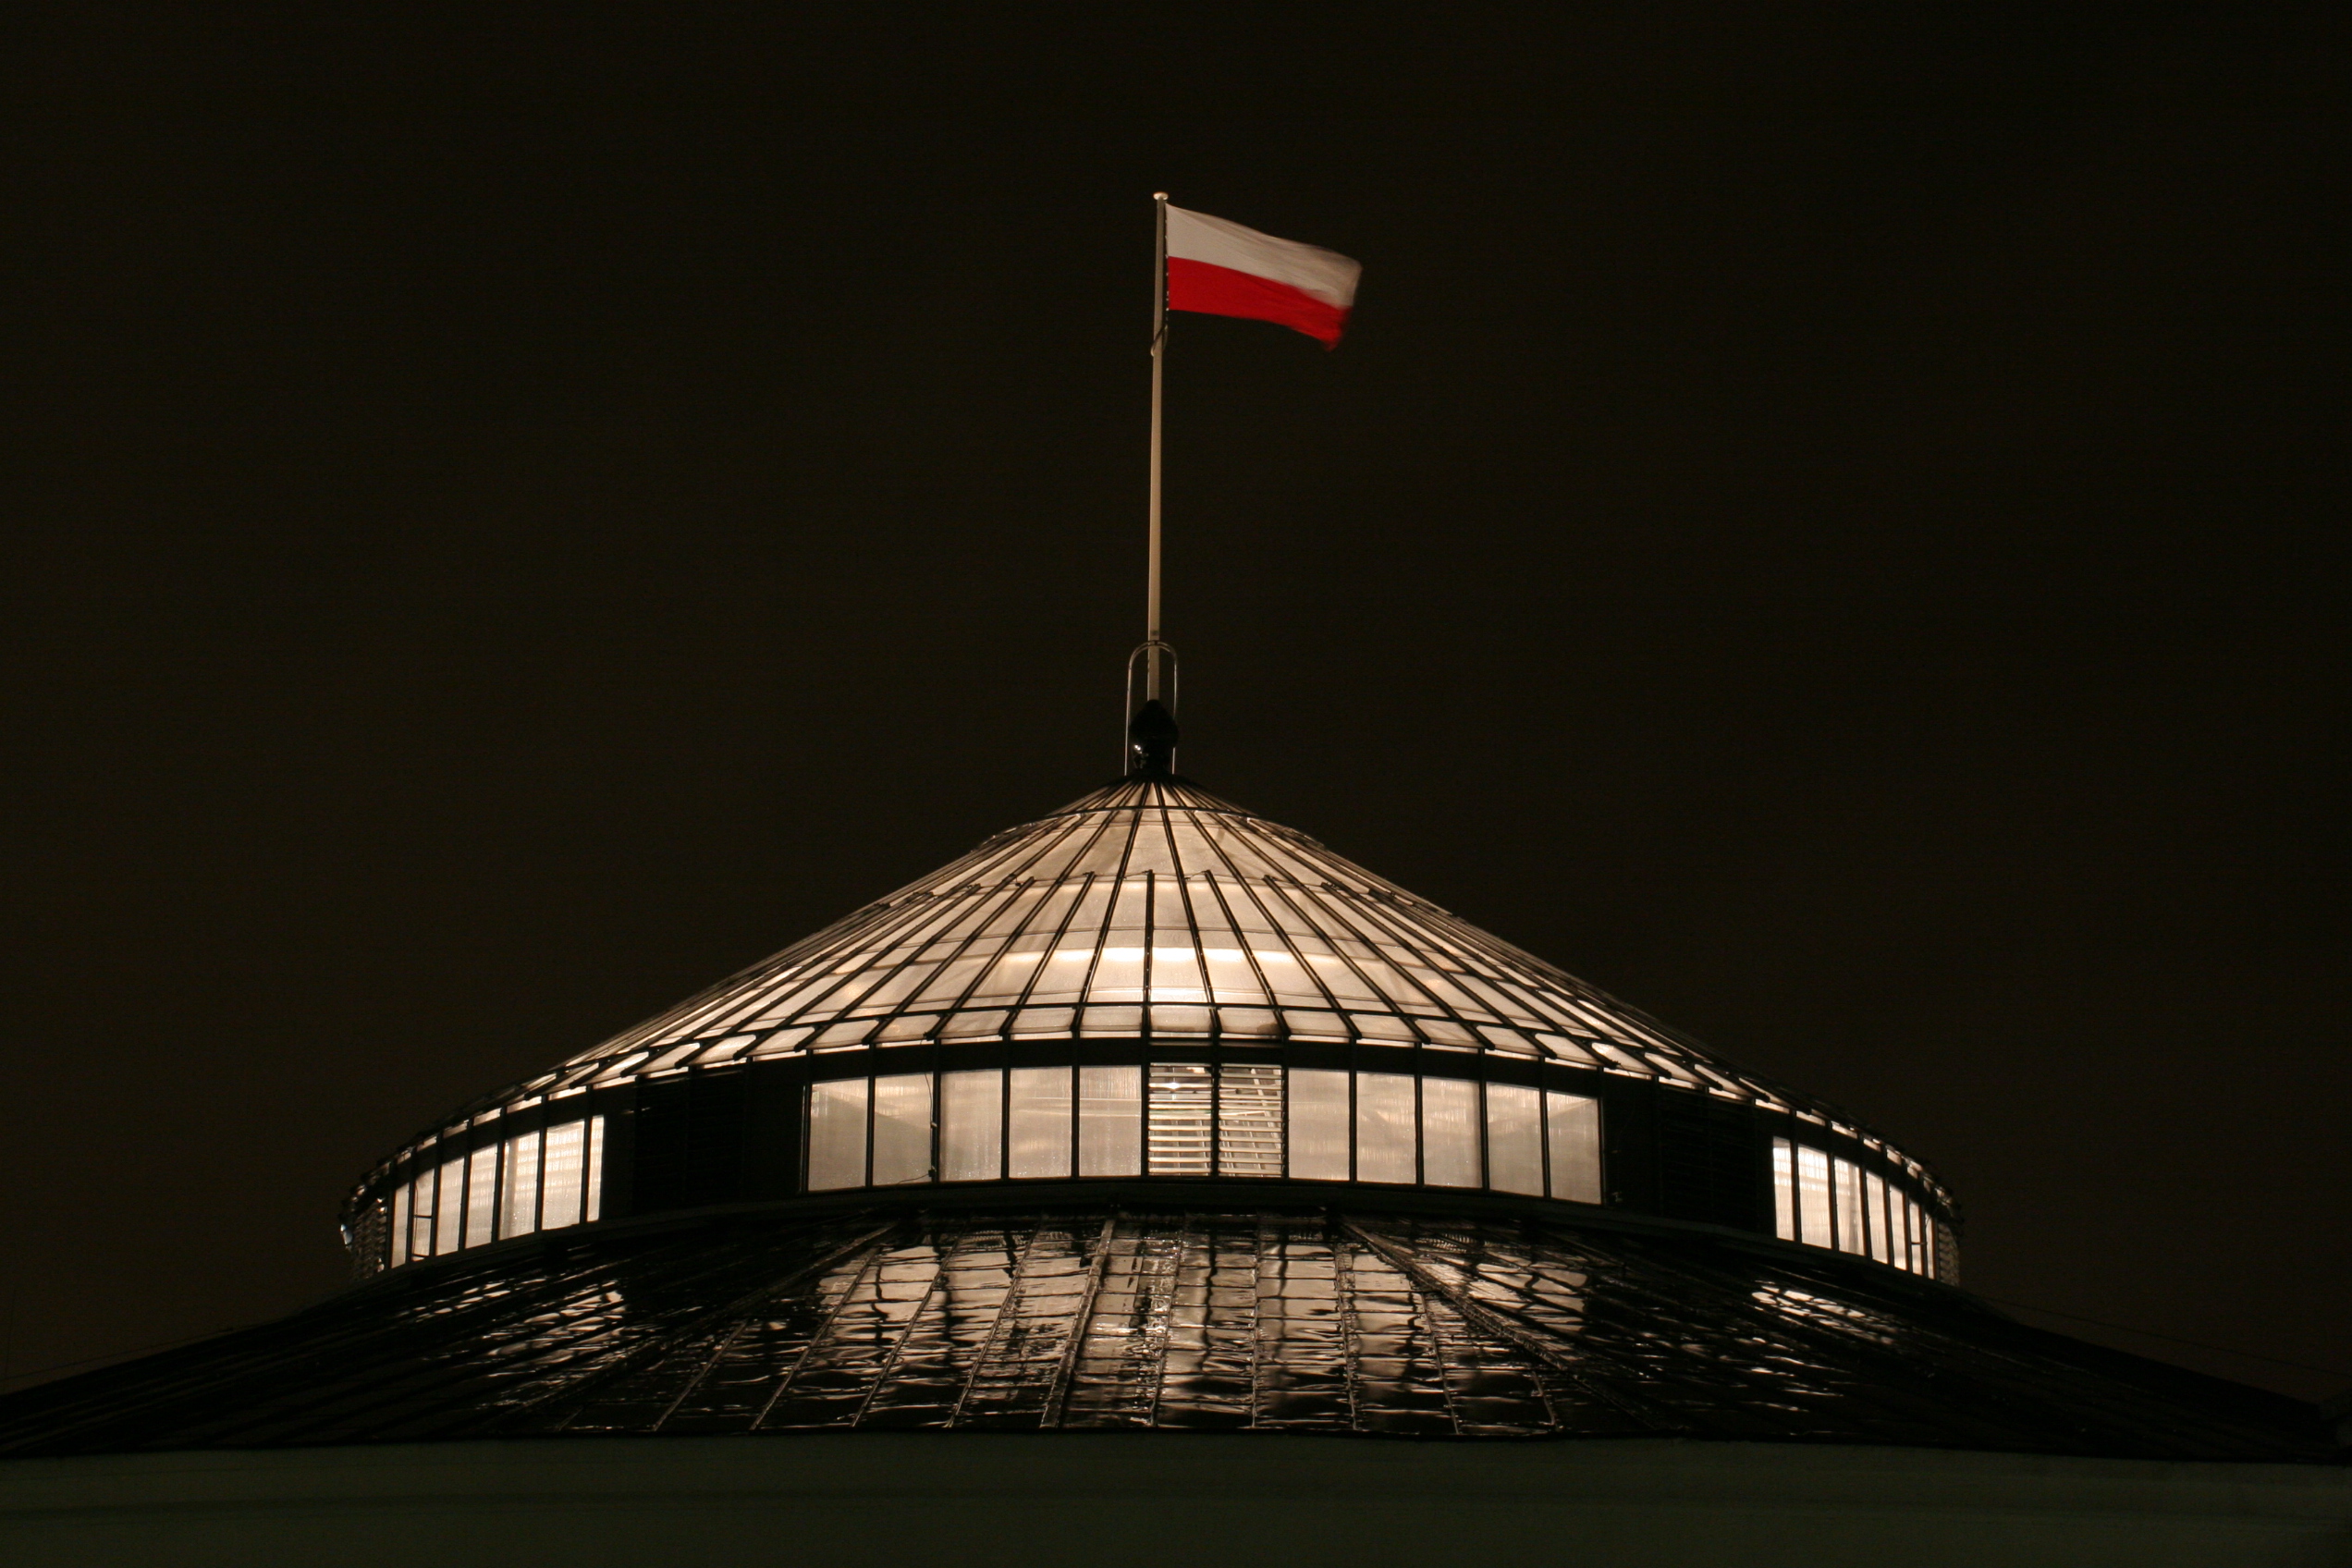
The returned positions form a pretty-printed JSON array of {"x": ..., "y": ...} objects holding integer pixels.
[{"x": 1159, "y": 343}]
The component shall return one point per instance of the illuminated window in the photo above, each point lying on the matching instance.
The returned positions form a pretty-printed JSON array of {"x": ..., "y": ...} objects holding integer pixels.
[{"x": 536, "y": 1180}]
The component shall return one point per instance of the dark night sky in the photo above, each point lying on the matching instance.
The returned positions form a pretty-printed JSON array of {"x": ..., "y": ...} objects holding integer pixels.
[{"x": 1824, "y": 527}]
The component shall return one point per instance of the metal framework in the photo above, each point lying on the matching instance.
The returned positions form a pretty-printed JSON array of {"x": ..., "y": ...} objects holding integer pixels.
[
  {"x": 1151, "y": 910},
  {"x": 1343, "y": 1320}
]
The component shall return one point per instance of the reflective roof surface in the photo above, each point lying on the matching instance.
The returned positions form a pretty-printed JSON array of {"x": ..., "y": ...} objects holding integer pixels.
[
  {"x": 1152, "y": 909},
  {"x": 1097, "y": 1318}
]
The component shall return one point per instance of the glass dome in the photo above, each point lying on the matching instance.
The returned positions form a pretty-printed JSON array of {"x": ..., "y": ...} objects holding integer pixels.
[{"x": 1152, "y": 984}]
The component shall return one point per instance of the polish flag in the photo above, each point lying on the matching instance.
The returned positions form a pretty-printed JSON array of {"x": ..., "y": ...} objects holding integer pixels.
[{"x": 1219, "y": 268}]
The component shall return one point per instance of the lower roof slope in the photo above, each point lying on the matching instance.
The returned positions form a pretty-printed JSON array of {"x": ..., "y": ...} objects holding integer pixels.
[{"x": 1294, "y": 1320}]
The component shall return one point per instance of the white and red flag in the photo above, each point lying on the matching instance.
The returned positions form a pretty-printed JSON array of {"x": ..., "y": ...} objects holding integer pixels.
[{"x": 1219, "y": 268}]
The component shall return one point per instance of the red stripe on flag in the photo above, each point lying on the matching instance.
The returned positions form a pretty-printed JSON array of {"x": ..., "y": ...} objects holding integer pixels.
[{"x": 1212, "y": 290}]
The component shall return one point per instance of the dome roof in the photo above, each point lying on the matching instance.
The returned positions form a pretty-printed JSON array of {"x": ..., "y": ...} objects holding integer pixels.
[
  {"x": 1347, "y": 1320},
  {"x": 1153, "y": 909}
]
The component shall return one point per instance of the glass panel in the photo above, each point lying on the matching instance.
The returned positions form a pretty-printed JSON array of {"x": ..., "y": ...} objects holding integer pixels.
[
  {"x": 836, "y": 1136},
  {"x": 1784, "y": 1189},
  {"x": 1450, "y": 1132},
  {"x": 1384, "y": 1128},
  {"x": 1249, "y": 1120},
  {"x": 1180, "y": 1126},
  {"x": 398, "y": 1252},
  {"x": 420, "y": 1213},
  {"x": 559, "y": 1180},
  {"x": 1040, "y": 1122},
  {"x": 1850, "y": 1237},
  {"x": 1318, "y": 1124},
  {"x": 518, "y": 1187},
  {"x": 448, "y": 1210},
  {"x": 903, "y": 1124},
  {"x": 1514, "y": 1139},
  {"x": 1916, "y": 1234},
  {"x": 1110, "y": 1120},
  {"x": 1572, "y": 1124},
  {"x": 1812, "y": 1196},
  {"x": 481, "y": 1196},
  {"x": 595, "y": 1185}
]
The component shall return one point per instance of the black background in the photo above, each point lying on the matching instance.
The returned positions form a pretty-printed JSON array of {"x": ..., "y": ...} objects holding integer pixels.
[{"x": 1821, "y": 526}]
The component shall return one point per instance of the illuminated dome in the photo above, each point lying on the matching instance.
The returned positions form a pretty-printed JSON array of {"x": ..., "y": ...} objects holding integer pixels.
[
  {"x": 1154, "y": 1114},
  {"x": 1152, "y": 984}
]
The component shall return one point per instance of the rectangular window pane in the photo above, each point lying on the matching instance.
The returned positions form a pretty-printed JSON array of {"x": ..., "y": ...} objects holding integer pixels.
[
  {"x": 1179, "y": 1117},
  {"x": 1249, "y": 1120},
  {"x": 1784, "y": 1189},
  {"x": 1039, "y": 1115},
  {"x": 399, "y": 1247},
  {"x": 1812, "y": 1196},
  {"x": 1514, "y": 1139},
  {"x": 836, "y": 1136},
  {"x": 481, "y": 1196},
  {"x": 1110, "y": 1120},
  {"x": 903, "y": 1124},
  {"x": 1450, "y": 1132},
  {"x": 1572, "y": 1124},
  {"x": 1917, "y": 1235},
  {"x": 1318, "y": 1124},
  {"x": 561, "y": 1180},
  {"x": 971, "y": 1125},
  {"x": 448, "y": 1207},
  {"x": 420, "y": 1213},
  {"x": 519, "y": 1186},
  {"x": 1384, "y": 1128},
  {"x": 1849, "y": 1208}
]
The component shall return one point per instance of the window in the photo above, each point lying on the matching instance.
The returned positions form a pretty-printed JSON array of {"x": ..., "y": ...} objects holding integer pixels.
[
  {"x": 1189, "y": 1118},
  {"x": 1824, "y": 1201},
  {"x": 536, "y": 1180}
]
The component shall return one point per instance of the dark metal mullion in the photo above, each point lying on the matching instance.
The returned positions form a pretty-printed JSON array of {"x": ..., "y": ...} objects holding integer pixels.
[
  {"x": 1452, "y": 1014},
  {"x": 1233, "y": 924},
  {"x": 1191, "y": 916},
  {"x": 1094, "y": 964},
  {"x": 1025, "y": 881},
  {"x": 1345, "y": 913},
  {"x": 989, "y": 904},
  {"x": 1298, "y": 955}
]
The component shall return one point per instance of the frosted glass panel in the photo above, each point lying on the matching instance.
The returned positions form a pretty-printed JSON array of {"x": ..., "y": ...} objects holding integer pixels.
[
  {"x": 1249, "y": 1120},
  {"x": 1180, "y": 1119},
  {"x": 1514, "y": 1139},
  {"x": 903, "y": 1126},
  {"x": 1812, "y": 1196},
  {"x": 560, "y": 1183},
  {"x": 970, "y": 1126},
  {"x": 1450, "y": 1132},
  {"x": 1040, "y": 1118},
  {"x": 400, "y": 1244},
  {"x": 1572, "y": 1124},
  {"x": 519, "y": 1200},
  {"x": 1850, "y": 1237},
  {"x": 1110, "y": 1120},
  {"x": 1384, "y": 1127},
  {"x": 450, "y": 1207},
  {"x": 1784, "y": 1189},
  {"x": 1318, "y": 1124},
  {"x": 481, "y": 1196},
  {"x": 837, "y": 1134}
]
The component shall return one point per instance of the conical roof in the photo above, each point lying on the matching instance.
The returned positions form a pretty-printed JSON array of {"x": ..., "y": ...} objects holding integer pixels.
[{"x": 1152, "y": 908}]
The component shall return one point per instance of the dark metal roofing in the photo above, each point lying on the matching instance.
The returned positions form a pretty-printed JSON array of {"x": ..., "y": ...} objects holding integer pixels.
[{"x": 1097, "y": 1318}]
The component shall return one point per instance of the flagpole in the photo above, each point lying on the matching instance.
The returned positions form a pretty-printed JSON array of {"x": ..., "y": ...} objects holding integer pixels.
[{"x": 1159, "y": 343}]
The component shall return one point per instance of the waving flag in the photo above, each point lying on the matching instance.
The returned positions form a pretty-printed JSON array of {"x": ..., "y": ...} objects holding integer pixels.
[{"x": 1219, "y": 268}]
